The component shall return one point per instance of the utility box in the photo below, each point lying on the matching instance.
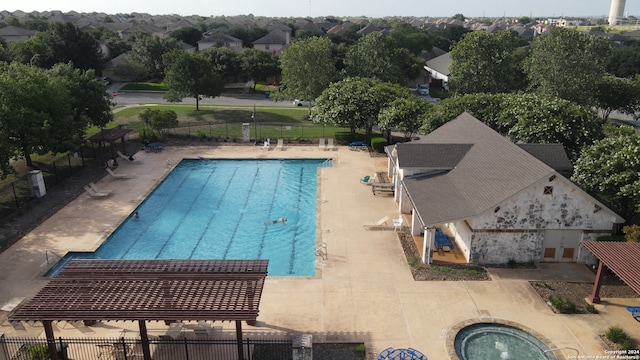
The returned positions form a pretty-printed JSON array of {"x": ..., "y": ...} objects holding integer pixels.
[
  {"x": 246, "y": 132},
  {"x": 302, "y": 347},
  {"x": 36, "y": 183}
]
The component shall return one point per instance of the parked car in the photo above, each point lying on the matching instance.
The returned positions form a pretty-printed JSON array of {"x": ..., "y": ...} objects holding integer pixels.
[
  {"x": 297, "y": 102},
  {"x": 106, "y": 80},
  {"x": 423, "y": 89}
]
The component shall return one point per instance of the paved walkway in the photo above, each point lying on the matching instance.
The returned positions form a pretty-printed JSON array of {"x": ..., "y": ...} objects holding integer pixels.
[{"x": 363, "y": 292}]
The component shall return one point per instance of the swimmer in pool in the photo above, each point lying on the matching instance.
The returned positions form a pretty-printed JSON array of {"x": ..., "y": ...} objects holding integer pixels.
[{"x": 281, "y": 220}]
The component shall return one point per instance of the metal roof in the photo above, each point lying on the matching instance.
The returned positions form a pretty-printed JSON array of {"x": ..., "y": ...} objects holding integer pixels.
[
  {"x": 623, "y": 258},
  {"x": 149, "y": 290},
  {"x": 110, "y": 135}
]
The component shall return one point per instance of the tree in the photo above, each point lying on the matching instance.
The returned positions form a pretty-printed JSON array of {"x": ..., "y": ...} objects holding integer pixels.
[
  {"x": 611, "y": 168},
  {"x": 159, "y": 120},
  {"x": 406, "y": 114},
  {"x": 490, "y": 63},
  {"x": 248, "y": 36},
  {"x": 567, "y": 64},
  {"x": 63, "y": 42},
  {"x": 625, "y": 61},
  {"x": 374, "y": 56},
  {"x": 148, "y": 50},
  {"x": 528, "y": 118},
  {"x": 225, "y": 62},
  {"x": 190, "y": 75},
  {"x": 258, "y": 65},
  {"x": 187, "y": 35},
  {"x": 308, "y": 68},
  {"x": 356, "y": 102},
  {"x": 132, "y": 70},
  {"x": 614, "y": 93},
  {"x": 90, "y": 103},
  {"x": 30, "y": 113}
]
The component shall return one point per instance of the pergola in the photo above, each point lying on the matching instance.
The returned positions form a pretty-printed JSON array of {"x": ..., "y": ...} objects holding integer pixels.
[
  {"x": 148, "y": 290},
  {"x": 623, "y": 258},
  {"x": 111, "y": 136}
]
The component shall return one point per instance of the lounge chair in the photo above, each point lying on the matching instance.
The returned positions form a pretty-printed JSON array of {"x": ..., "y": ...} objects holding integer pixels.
[
  {"x": 95, "y": 188},
  {"x": 96, "y": 194},
  {"x": 118, "y": 176},
  {"x": 322, "y": 144},
  {"x": 330, "y": 145},
  {"x": 280, "y": 145},
  {"x": 378, "y": 225},
  {"x": 365, "y": 180}
]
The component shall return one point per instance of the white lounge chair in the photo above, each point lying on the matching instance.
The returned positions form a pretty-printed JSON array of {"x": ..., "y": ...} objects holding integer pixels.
[
  {"x": 280, "y": 145},
  {"x": 96, "y": 194},
  {"x": 95, "y": 188},
  {"x": 330, "y": 145},
  {"x": 378, "y": 225},
  {"x": 322, "y": 144},
  {"x": 118, "y": 176}
]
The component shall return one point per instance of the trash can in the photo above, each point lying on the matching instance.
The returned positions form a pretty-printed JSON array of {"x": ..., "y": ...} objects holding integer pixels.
[
  {"x": 36, "y": 183},
  {"x": 267, "y": 94}
]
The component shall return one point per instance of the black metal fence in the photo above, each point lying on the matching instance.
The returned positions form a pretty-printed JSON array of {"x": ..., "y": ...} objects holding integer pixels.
[
  {"x": 20, "y": 192},
  {"x": 15, "y": 348}
]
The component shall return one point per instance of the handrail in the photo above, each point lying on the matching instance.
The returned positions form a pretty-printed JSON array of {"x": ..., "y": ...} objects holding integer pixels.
[
  {"x": 564, "y": 347},
  {"x": 327, "y": 163},
  {"x": 321, "y": 250},
  {"x": 46, "y": 254}
]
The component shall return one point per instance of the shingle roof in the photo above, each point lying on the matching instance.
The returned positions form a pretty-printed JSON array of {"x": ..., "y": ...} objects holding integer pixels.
[
  {"x": 492, "y": 170},
  {"x": 441, "y": 64},
  {"x": 274, "y": 37},
  {"x": 550, "y": 154},
  {"x": 430, "y": 155},
  {"x": 15, "y": 31}
]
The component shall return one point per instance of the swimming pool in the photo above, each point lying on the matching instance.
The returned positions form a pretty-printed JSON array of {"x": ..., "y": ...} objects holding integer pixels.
[{"x": 224, "y": 209}]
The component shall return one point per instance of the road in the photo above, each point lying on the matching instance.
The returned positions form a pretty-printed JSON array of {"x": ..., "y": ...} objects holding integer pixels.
[{"x": 131, "y": 98}]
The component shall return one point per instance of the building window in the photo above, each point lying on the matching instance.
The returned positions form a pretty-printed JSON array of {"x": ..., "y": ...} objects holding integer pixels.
[{"x": 548, "y": 190}]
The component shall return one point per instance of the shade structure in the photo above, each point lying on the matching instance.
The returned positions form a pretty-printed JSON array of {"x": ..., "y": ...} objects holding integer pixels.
[
  {"x": 225, "y": 290},
  {"x": 622, "y": 258}
]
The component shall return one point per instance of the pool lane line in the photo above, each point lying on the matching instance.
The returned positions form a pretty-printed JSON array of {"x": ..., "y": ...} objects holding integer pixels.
[
  {"x": 143, "y": 233},
  {"x": 206, "y": 228},
  {"x": 295, "y": 234},
  {"x": 273, "y": 197},
  {"x": 185, "y": 213},
  {"x": 246, "y": 201}
]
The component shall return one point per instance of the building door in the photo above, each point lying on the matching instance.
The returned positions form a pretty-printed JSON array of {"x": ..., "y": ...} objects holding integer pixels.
[{"x": 560, "y": 245}]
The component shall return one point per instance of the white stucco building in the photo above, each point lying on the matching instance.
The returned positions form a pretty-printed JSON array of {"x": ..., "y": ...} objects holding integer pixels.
[{"x": 501, "y": 201}]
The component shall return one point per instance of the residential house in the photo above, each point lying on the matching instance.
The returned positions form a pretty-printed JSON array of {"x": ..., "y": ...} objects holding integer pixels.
[
  {"x": 15, "y": 34},
  {"x": 273, "y": 41},
  {"x": 220, "y": 40},
  {"x": 501, "y": 202},
  {"x": 439, "y": 69}
]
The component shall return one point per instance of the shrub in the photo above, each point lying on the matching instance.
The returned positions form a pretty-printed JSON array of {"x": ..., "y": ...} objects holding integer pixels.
[
  {"x": 38, "y": 352},
  {"x": 617, "y": 335},
  {"x": 411, "y": 260},
  {"x": 202, "y": 135},
  {"x": 562, "y": 305},
  {"x": 378, "y": 144},
  {"x": 361, "y": 350},
  {"x": 631, "y": 233},
  {"x": 511, "y": 263},
  {"x": 591, "y": 309}
]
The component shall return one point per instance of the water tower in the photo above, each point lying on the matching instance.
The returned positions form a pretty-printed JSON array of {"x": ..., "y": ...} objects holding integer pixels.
[{"x": 616, "y": 13}]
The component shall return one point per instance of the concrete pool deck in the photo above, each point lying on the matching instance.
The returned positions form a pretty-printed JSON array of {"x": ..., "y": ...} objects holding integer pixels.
[{"x": 363, "y": 292}]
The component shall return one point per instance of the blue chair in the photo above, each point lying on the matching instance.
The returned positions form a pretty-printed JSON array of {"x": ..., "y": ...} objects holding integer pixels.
[
  {"x": 365, "y": 180},
  {"x": 357, "y": 145}
]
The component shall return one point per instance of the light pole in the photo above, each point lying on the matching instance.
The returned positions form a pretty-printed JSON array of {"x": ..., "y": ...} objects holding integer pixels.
[{"x": 255, "y": 125}]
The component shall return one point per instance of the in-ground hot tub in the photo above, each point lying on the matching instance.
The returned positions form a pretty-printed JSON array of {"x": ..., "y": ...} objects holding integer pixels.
[{"x": 498, "y": 340}]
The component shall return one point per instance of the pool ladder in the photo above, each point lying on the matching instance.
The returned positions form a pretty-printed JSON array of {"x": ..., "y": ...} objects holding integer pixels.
[
  {"x": 46, "y": 255},
  {"x": 321, "y": 250},
  {"x": 327, "y": 163}
]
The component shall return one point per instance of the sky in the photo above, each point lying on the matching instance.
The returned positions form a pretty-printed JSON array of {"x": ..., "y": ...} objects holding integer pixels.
[{"x": 316, "y": 8}]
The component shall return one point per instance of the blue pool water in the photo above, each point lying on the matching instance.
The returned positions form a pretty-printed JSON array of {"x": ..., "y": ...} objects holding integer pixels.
[
  {"x": 489, "y": 341},
  {"x": 222, "y": 209}
]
